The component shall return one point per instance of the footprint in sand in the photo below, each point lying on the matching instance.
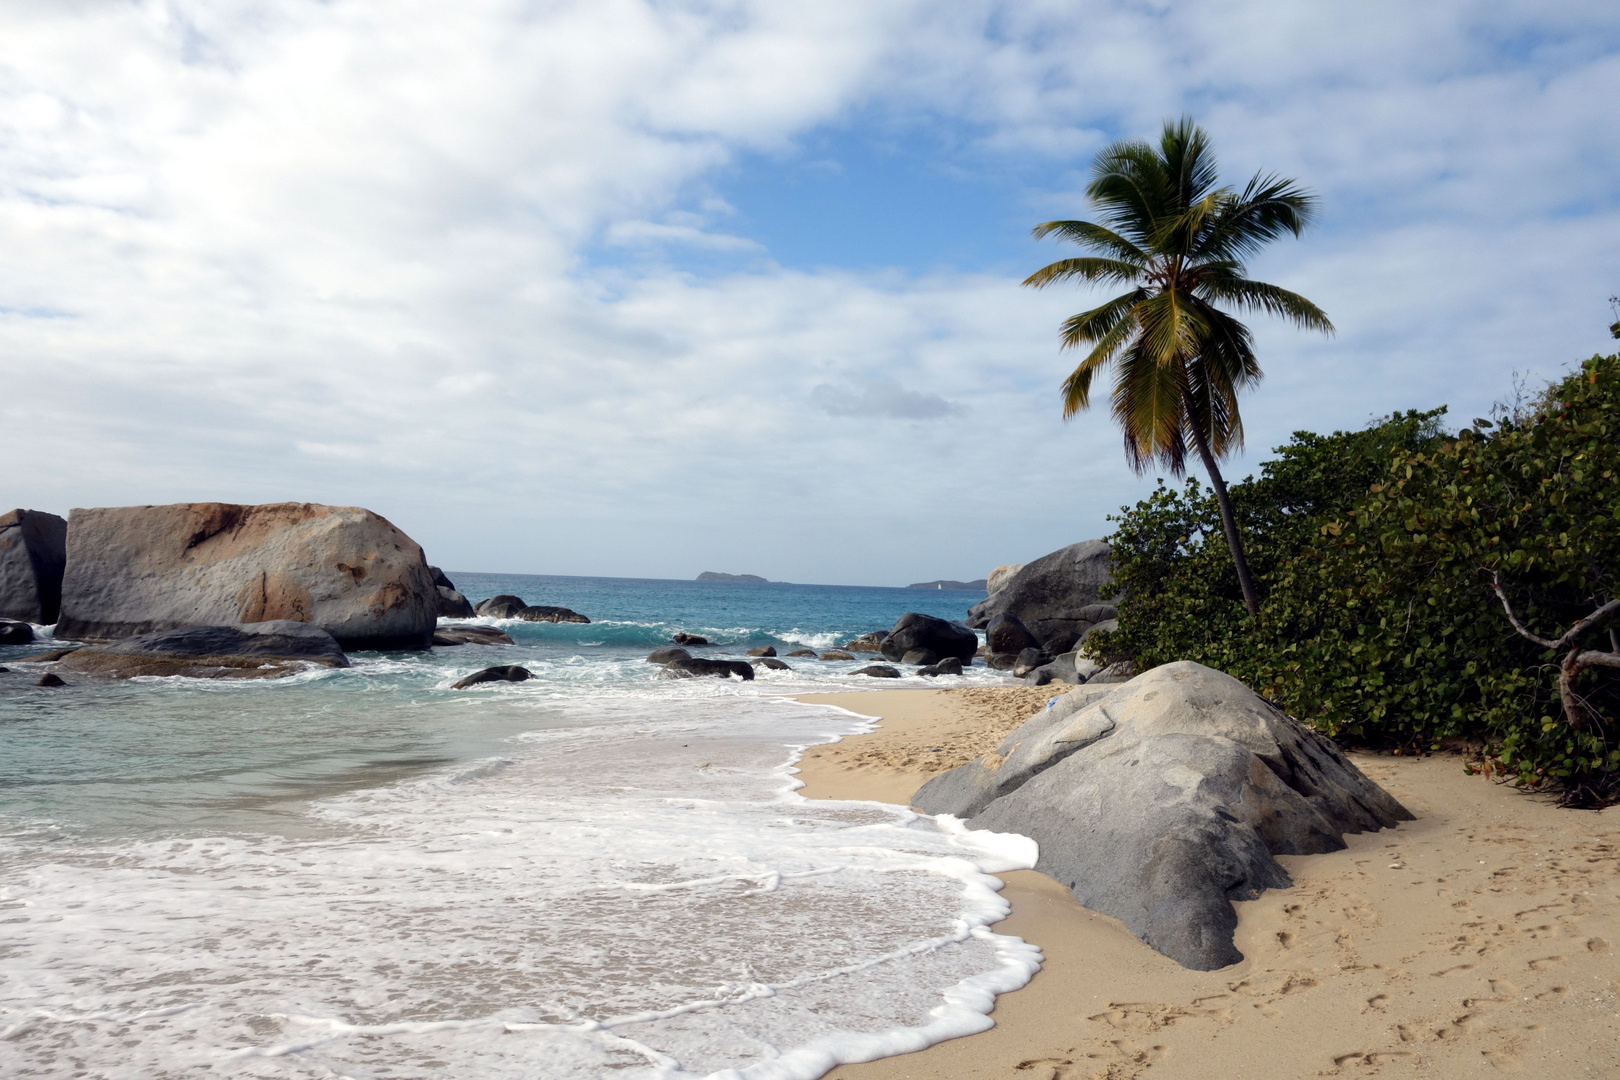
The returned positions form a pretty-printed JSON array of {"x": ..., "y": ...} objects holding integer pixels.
[
  {"x": 1458, "y": 968},
  {"x": 1597, "y": 944},
  {"x": 1545, "y": 962},
  {"x": 1377, "y": 1002}
]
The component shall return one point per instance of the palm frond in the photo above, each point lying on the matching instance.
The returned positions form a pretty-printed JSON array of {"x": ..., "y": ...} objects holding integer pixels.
[
  {"x": 1220, "y": 283},
  {"x": 1086, "y": 269},
  {"x": 1149, "y": 404},
  {"x": 1129, "y": 186},
  {"x": 1092, "y": 236},
  {"x": 1093, "y": 325},
  {"x": 1077, "y": 387},
  {"x": 1172, "y": 326},
  {"x": 1267, "y": 207}
]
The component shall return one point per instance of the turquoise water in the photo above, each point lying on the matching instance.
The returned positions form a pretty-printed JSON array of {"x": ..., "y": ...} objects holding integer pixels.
[
  {"x": 152, "y": 757},
  {"x": 598, "y": 872}
]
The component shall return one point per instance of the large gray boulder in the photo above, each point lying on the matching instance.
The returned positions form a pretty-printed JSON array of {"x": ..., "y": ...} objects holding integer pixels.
[
  {"x": 141, "y": 569},
  {"x": 1058, "y": 596},
  {"x": 917, "y": 631},
  {"x": 504, "y": 606},
  {"x": 33, "y": 553},
  {"x": 1162, "y": 800},
  {"x": 261, "y": 650}
]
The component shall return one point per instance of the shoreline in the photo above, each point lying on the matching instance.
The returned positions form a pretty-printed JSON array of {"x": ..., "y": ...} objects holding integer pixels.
[{"x": 1479, "y": 936}]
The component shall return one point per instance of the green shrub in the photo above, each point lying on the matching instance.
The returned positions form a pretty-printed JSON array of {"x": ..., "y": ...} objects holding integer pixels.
[{"x": 1375, "y": 551}]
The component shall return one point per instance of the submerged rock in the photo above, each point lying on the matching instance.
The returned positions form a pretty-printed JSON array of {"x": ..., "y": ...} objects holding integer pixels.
[
  {"x": 693, "y": 666},
  {"x": 540, "y": 613},
  {"x": 134, "y": 570},
  {"x": 33, "y": 555},
  {"x": 668, "y": 653},
  {"x": 504, "y": 606},
  {"x": 49, "y": 679},
  {"x": 15, "y": 633},
  {"x": 263, "y": 650},
  {"x": 771, "y": 663},
  {"x": 763, "y": 650},
  {"x": 803, "y": 652},
  {"x": 684, "y": 638},
  {"x": 914, "y": 630},
  {"x": 868, "y": 643},
  {"x": 837, "y": 654},
  {"x": 470, "y": 635},
  {"x": 509, "y": 673},
  {"x": 1162, "y": 800},
  {"x": 948, "y": 666},
  {"x": 879, "y": 671}
]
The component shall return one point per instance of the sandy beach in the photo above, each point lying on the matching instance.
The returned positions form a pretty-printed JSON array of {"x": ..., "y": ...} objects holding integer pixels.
[{"x": 1477, "y": 940}]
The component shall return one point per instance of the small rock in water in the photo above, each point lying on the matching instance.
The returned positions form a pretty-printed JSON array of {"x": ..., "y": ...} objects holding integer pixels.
[
  {"x": 880, "y": 671},
  {"x": 684, "y": 638},
  {"x": 509, "y": 673},
  {"x": 764, "y": 650},
  {"x": 452, "y": 605},
  {"x": 803, "y": 652},
  {"x": 668, "y": 653},
  {"x": 837, "y": 654},
  {"x": 771, "y": 663},
  {"x": 693, "y": 666},
  {"x": 1029, "y": 660},
  {"x": 542, "y": 613},
  {"x": 3, "y": 670},
  {"x": 470, "y": 635},
  {"x": 48, "y": 679},
  {"x": 15, "y": 633},
  {"x": 872, "y": 643},
  {"x": 504, "y": 606},
  {"x": 948, "y": 666}
]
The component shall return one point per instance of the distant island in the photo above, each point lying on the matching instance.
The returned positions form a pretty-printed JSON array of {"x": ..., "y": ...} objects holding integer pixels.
[
  {"x": 966, "y": 586},
  {"x": 711, "y": 575}
]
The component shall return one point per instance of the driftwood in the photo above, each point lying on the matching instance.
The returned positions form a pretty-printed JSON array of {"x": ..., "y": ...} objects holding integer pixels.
[{"x": 1577, "y": 659}]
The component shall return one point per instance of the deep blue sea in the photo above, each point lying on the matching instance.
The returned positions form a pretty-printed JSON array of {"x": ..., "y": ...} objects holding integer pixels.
[{"x": 365, "y": 873}]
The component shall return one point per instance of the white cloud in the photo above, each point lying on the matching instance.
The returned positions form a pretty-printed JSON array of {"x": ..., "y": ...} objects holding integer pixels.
[{"x": 342, "y": 251}]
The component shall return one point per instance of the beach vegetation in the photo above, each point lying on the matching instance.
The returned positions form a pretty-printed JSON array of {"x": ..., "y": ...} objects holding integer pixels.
[
  {"x": 1177, "y": 239},
  {"x": 1423, "y": 587}
]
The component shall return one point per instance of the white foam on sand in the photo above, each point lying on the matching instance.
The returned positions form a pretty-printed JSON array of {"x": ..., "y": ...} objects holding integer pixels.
[{"x": 637, "y": 892}]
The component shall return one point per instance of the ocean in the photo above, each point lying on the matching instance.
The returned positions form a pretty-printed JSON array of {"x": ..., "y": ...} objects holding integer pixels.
[{"x": 363, "y": 873}]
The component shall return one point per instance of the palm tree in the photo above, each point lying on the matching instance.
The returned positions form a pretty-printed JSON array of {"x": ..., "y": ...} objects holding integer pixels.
[{"x": 1178, "y": 240}]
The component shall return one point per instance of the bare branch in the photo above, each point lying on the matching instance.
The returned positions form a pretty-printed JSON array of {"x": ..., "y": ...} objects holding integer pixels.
[
  {"x": 1591, "y": 622},
  {"x": 1496, "y": 586},
  {"x": 1570, "y": 636}
]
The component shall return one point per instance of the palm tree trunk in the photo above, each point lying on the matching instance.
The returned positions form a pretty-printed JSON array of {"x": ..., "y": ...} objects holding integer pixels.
[{"x": 1251, "y": 599}]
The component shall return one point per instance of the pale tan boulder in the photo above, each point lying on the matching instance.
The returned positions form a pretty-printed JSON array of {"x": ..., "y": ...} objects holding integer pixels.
[
  {"x": 1000, "y": 576},
  {"x": 141, "y": 569}
]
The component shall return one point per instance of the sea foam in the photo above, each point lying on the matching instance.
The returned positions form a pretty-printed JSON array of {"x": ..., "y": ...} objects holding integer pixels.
[{"x": 634, "y": 889}]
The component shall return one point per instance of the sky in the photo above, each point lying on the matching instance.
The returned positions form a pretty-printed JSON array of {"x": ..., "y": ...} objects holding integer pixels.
[{"x": 641, "y": 289}]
